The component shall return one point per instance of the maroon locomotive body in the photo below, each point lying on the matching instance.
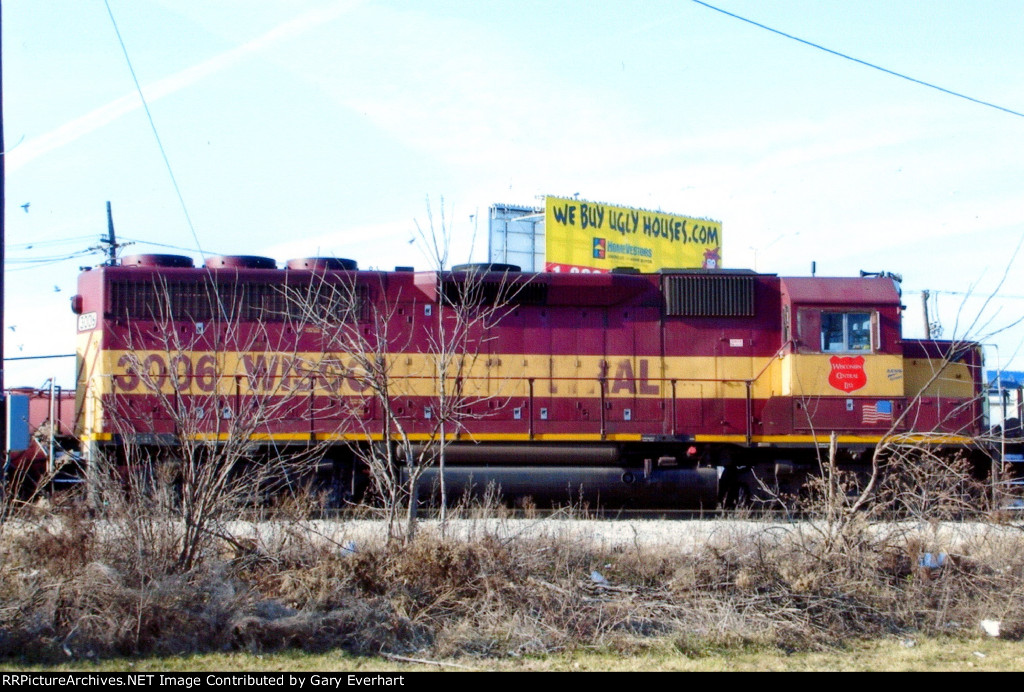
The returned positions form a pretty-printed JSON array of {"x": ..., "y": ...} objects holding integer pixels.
[{"x": 638, "y": 389}]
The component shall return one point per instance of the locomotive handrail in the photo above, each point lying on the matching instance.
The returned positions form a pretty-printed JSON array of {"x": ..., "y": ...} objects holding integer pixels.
[
  {"x": 750, "y": 386},
  {"x": 313, "y": 375},
  {"x": 310, "y": 377}
]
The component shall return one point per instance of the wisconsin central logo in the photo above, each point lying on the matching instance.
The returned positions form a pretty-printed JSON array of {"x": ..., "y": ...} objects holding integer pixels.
[
  {"x": 847, "y": 373},
  {"x": 600, "y": 248}
]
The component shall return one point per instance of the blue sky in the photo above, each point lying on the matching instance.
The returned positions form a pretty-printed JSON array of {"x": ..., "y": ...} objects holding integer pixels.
[{"x": 306, "y": 127}]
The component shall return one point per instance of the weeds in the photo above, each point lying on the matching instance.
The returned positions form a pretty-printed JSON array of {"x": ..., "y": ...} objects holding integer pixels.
[{"x": 81, "y": 585}]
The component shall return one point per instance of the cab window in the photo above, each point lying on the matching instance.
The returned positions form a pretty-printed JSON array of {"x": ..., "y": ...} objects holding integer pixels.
[{"x": 845, "y": 332}]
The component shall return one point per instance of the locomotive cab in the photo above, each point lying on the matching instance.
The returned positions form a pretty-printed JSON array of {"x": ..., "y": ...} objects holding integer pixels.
[{"x": 842, "y": 369}]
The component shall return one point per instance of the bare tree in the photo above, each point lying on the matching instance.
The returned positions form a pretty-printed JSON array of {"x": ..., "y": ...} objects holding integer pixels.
[
  {"x": 358, "y": 337},
  {"x": 368, "y": 339},
  {"x": 196, "y": 396},
  {"x": 472, "y": 302}
]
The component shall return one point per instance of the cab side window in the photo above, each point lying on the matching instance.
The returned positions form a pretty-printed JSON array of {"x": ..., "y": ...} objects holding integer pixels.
[{"x": 845, "y": 332}]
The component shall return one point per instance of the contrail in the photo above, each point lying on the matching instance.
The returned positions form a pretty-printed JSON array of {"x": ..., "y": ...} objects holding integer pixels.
[{"x": 104, "y": 115}]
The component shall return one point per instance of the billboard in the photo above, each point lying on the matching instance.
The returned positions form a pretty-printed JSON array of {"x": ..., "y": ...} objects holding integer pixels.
[{"x": 587, "y": 236}]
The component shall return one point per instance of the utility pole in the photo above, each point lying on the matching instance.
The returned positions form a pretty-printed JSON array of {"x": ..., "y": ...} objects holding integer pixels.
[
  {"x": 111, "y": 240},
  {"x": 3, "y": 243},
  {"x": 927, "y": 322}
]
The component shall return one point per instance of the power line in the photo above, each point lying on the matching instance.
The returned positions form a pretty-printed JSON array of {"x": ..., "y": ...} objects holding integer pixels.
[
  {"x": 152, "y": 124},
  {"x": 859, "y": 61},
  {"x": 75, "y": 240},
  {"x": 44, "y": 261},
  {"x": 57, "y": 355},
  {"x": 139, "y": 241},
  {"x": 970, "y": 294}
]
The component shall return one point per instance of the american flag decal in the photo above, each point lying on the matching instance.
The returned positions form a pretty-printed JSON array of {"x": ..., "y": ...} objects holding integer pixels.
[{"x": 878, "y": 412}]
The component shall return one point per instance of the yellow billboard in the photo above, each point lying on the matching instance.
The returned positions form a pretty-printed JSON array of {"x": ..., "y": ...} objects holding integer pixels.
[{"x": 587, "y": 237}]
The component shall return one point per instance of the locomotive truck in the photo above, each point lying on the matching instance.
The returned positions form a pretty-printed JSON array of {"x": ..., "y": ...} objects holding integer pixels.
[{"x": 681, "y": 388}]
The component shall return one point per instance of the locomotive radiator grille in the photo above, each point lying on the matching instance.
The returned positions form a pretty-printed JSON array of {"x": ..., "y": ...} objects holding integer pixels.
[
  {"x": 702, "y": 295},
  {"x": 242, "y": 302}
]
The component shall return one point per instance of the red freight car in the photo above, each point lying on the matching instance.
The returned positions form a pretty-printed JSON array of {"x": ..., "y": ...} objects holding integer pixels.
[
  {"x": 672, "y": 389},
  {"x": 40, "y": 440}
]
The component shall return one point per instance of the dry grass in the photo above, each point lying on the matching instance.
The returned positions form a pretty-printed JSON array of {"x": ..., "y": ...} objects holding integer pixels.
[{"x": 74, "y": 585}]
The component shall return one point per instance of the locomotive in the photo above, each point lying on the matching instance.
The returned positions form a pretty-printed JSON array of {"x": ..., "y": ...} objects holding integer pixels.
[{"x": 676, "y": 389}]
